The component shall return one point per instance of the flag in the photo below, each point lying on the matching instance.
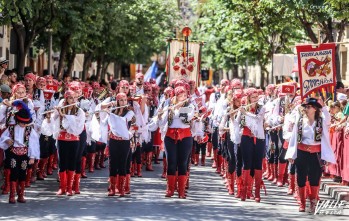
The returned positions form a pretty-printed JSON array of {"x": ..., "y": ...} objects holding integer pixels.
[
  {"x": 151, "y": 72},
  {"x": 317, "y": 70},
  {"x": 184, "y": 63},
  {"x": 158, "y": 79}
]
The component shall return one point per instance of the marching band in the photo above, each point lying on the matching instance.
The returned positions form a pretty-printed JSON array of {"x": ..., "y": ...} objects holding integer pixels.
[{"x": 254, "y": 135}]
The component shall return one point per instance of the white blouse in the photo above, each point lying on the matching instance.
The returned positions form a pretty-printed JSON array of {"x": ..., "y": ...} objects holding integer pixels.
[
  {"x": 33, "y": 145},
  {"x": 119, "y": 125}
]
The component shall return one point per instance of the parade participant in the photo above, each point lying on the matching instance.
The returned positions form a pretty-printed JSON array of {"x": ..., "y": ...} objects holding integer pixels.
[
  {"x": 278, "y": 165},
  {"x": 84, "y": 105},
  {"x": 98, "y": 94},
  {"x": 168, "y": 94},
  {"x": 178, "y": 140},
  {"x": 147, "y": 145},
  {"x": 135, "y": 104},
  {"x": 232, "y": 139},
  {"x": 69, "y": 124},
  {"x": 217, "y": 114},
  {"x": 7, "y": 118},
  {"x": 287, "y": 129},
  {"x": 269, "y": 99},
  {"x": 199, "y": 128},
  {"x": 119, "y": 143},
  {"x": 216, "y": 103},
  {"x": 251, "y": 118},
  {"x": 156, "y": 134},
  {"x": 21, "y": 141},
  {"x": 309, "y": 147}
]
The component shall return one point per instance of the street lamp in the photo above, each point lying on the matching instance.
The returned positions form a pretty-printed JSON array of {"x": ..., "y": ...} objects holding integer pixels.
[{"x": 274, "y": 39}]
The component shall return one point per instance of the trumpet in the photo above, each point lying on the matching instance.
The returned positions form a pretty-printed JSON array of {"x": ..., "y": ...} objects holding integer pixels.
[{"x": 51, "y": 111}]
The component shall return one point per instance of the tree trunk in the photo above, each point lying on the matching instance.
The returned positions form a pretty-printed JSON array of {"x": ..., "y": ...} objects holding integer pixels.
[
  {"x": 64, "y": 47},
  {"x": 86, "y": 65},
  {"x": 100, "y": 62},
  {"x": 20, "y": 48},
  {"x": 70, "y": 58},
  {"x": 104, "y": 69}
]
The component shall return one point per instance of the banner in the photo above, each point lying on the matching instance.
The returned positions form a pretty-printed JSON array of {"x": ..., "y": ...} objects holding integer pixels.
[
  {"x": 317, "y": 70},
  {"x": 183, "y": 62}
]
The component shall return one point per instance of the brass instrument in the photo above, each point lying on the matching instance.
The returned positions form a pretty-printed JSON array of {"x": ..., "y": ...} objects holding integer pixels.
[{"x": 102, "y": 94}]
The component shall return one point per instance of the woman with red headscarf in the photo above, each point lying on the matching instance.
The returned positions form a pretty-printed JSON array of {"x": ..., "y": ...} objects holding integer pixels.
[
  {"x": 232, "y": 140},
  {"x": 251, "y": 119},
  {"x": 68, "y": 123},
  {"x": 178, "y": 139},
  {"x": 119, "y": 122}
]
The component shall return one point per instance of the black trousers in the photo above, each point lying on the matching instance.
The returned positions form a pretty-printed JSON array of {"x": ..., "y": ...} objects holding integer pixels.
[
  {"x": 252, "y": 154},
  {"x": 80, "y": 151},
  {"x": 67, "y": 151},
  {"x": 178, "y": 153},
  {"x": 274, "y": 137},
  {"x": 238, "y": 161},
  {"x": 231, "y": 157},
  {"x": 137, "y": 155},
  {"x": 118, "y": 152},
  {"x": 200, "y": 147},
  {"x": 18, "y": 166},
  {"x": 91, "y": 148},
  {"x": 308, "y": 165},
  {"x": 215, "y": 138}
]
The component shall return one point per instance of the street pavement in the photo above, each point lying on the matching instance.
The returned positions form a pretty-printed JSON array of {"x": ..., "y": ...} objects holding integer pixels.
[{"x": 207, "y": 200}]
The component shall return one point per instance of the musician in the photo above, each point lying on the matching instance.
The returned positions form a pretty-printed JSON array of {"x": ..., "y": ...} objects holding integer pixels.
[
  {"x": 7, "y": 119},
  {"x": 168, "y": 94},
  {"x": 217, "y": 114},
  {"x": 156, "y": 134},
  {"x": 149, "y": 111},
  {"x": 309, "y": 148},
  {"x": 119, "y": 143},
  {"x": 178, "y": 140},
  {"x": 91, "y": 149},
  {"x": 199, "y": 127},
  {"x": 232, "y": 138},
  {"x": 21, "y": 142},
  {"x": 287, "y": 129},
  {"x": 84, "y": 105},
  {"x": 252, "y": 144},
  {"x": 269, "y": 104},
  {"x": 69, "y": 124}
]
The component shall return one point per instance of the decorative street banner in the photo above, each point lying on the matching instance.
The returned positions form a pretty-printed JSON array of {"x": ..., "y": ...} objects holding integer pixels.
[
  {"x": 317, "y": 70},
  {"x": 183, "y": 60}
]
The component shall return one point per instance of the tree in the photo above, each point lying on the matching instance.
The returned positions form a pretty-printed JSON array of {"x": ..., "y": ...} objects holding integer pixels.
[{"x": 28, "y": 18}]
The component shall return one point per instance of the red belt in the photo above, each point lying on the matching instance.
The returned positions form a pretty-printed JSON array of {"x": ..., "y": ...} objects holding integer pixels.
[
  {"x": 247, "y": 132},
  {"x": 309, "y": 148},
  {"x": 114, "y": 137},
  {"x": 63, "y": 135},
  {"x": 20, "y": 151},
  {"x": 178, "y": 133}
]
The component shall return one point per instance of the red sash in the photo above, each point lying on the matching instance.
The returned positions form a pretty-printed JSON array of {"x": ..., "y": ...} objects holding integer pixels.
[
  {"x": 63, "y": 135},
  {"x": 309, "y": 148},
  {"x": 178, "y": 133}
]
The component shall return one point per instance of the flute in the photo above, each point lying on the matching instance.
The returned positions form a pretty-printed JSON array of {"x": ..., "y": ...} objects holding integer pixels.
[
  {"x": 171, "y": 107},
  {"x": 110, "y": 109},
  {"x": 272, "y": 128},
  {"x": 50, "y": 111},
  {"x": 236, "y": 110}
]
